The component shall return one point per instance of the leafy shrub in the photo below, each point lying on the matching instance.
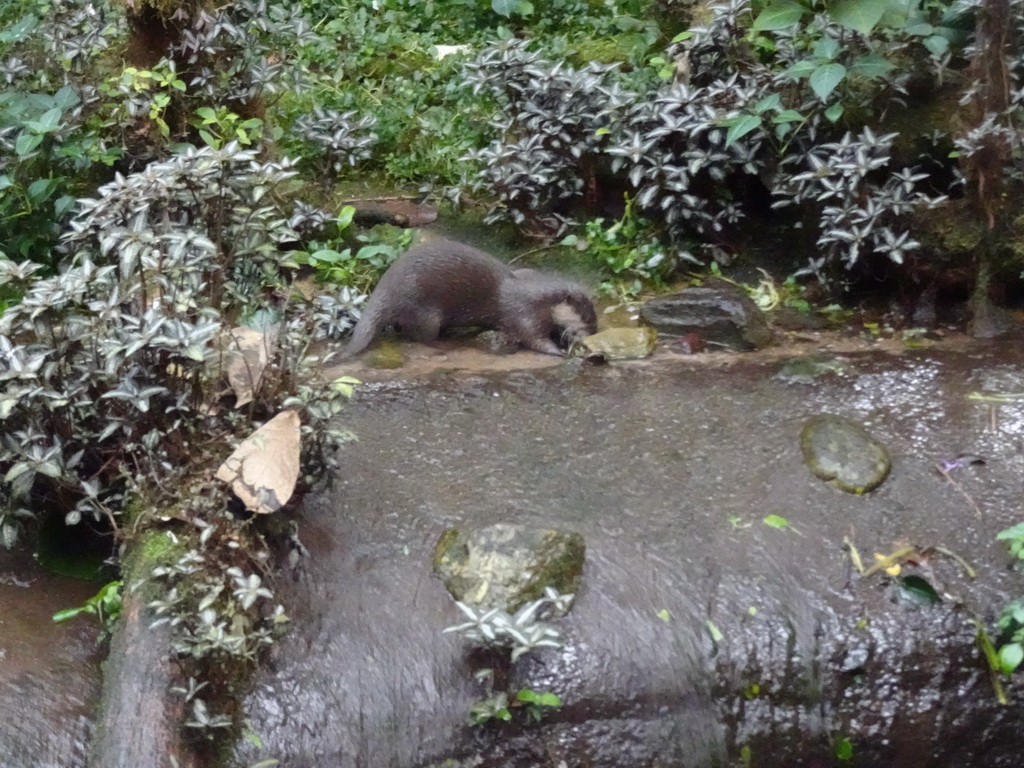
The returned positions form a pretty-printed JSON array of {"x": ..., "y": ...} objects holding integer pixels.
[
  {"x": 628, "y": 251},
  {"x": 553, "y": 124},
  {"x": 342, "y": 139},
  {"x": 748, "y": 107},
  {"x": 109, "y": 365}
]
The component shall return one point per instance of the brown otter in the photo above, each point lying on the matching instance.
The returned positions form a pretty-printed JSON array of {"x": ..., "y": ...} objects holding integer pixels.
[{"x": 444, "y": 284}]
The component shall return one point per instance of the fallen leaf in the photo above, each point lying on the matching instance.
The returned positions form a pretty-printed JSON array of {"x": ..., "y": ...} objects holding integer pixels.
[
  {"x": 247, "y": 356},
  {"x": 263, "y": 469}
]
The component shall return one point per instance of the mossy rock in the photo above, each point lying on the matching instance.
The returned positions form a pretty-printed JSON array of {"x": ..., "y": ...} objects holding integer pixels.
[
  {"x": 620, "y": 343},
  {"x": 507, "y": 566},
  {"x": 845, "y": 454}
]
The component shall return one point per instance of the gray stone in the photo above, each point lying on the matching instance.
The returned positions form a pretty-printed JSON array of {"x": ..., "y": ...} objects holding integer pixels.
[
  {"x": 718, "y": 311},
  {"x": 844, "y": 453}
]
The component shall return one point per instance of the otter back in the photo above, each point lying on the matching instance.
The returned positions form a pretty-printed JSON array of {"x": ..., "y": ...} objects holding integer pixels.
[
  {"x": 445, "y": 284},
  {"x": 433, "y": 287}
]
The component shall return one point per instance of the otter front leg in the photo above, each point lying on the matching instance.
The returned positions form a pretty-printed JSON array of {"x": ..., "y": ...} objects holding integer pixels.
[{"x": 544, "y": 346}]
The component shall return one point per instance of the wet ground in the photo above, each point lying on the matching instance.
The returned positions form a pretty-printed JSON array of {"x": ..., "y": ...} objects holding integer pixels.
[
  {"x": 49, "y": 673},
  {"x": 702, "y": 636}
]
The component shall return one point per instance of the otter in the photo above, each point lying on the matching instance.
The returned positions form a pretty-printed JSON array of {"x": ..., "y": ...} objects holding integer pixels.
[{"x": 445, "y": 284}]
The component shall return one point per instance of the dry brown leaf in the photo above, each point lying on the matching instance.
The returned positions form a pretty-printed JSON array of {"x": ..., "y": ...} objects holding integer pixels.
[
  {"x": 264, "y": 468},
  {"x": 246, "y": 358}
]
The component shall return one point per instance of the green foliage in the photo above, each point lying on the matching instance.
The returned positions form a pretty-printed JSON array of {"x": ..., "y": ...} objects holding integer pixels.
[
  {"x": 628, "y": 251},
  {"x": 139, "y": 92},
  {"x": 492, "y": 708},
  {"x": 516, "y": 635},
  {"x": 1011, "y": 649},
  {"x": 105, "y": 605},
  {"x": 843, "y": 749},
  {"x": 1014, "y": 536},
  {"x": 1011, "y": 622},
  {"x": 220, "y": 126},
  {"x": 497, "y": 706},
  {"x": 537, "y": 703},
  {"x": 359, "y": 268},
  {"x": 41, "y": 150}
]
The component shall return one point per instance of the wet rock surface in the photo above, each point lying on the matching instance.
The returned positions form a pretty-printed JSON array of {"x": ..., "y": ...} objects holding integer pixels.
[
  {"x": 843, "y": 453},
  {"x": 718, "y": 311},
  {"x": 699, "y": 635},
  {"x": 668, "y": 472},
  {"x": 49, "y": 673}
]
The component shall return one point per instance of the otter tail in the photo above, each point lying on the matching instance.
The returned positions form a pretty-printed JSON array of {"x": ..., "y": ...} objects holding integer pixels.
[{"x": 366, "y": 329}]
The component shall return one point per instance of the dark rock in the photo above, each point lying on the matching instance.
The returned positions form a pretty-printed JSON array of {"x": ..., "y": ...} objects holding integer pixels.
[
  {"x": 399, "y": 213},
  {"x": 507, "y": 566},
  {"x": 844, "y": 453},
  {"x": 718, "y": 311}
]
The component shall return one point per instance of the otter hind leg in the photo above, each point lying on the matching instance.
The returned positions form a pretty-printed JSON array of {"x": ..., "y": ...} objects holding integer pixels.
[{"x": 423, "y": 326}]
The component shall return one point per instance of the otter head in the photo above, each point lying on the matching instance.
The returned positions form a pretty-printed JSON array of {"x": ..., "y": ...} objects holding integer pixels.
[{"x": 575, "y": 317}]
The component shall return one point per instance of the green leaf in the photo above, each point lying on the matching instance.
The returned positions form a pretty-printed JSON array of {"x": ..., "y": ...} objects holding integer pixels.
[
  {"x": 549, "y": 700},
  {"x": 825, "y": 78},
  {"x": 872, "y": 66},
  {"x": 328, "y": 256},
  {"x": 49, "y": 122},
  {"x": 844, "y": 749},
  {"x": 740, "y": 127},
  {"x": 65, "y": 98},
  {"x": 937, "y": 45},
  {"x": 780, "y": 14},
  {"x": 768, "y": 102},
  {"x": 920, "y": 30},
  {"x": 826, "y": 48},
  {"x": 917, "y": 590},
  {"x": 19, "y": 30},
  {"x": 70, "y": 613},
  {"x": 508, "y": 7},
  {"x": 17, "y": 471},
  {"x": 776, "y": 521},
  {"x": 41, "y": 189},
  {"x": 788, "y": 116},
  {"x": 1015, "y": 532},
  {"x": 64, "y": 204},
  {"x": 1010, "y": 657},
  {"x": 27, "y": 142},
  {"x": 346, "y": 216},
  {"x": 716, "y": 633},
  {"x": 859, "y": 15},
  {"x": 834, "y": 112},
  {"x": 208, "y": 115},
  {"x": 801, "y": 69}
]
